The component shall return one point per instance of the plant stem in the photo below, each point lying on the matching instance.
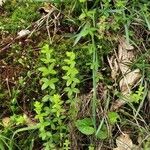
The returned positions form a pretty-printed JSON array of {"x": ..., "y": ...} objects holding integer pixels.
[{"x": 95, "y": 66}]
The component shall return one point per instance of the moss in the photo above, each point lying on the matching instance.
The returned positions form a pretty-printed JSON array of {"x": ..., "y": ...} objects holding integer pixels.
[{"x": 19, "y": 15}]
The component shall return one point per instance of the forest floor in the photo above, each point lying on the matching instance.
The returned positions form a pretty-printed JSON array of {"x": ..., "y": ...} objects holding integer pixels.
[{"x": 75, "y": 75}]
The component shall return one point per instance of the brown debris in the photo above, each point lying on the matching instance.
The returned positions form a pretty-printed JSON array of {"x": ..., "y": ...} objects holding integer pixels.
[
  {"x": 119, "y": 64},
  {"x": 124, "y": 142}
]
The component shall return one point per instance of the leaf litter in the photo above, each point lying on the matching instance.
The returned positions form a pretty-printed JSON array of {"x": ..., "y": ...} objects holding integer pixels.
[
  {"x": 1, "y": 2},
  {"x": 124, "y": 142},
  {"x": 119, "y": 64}
]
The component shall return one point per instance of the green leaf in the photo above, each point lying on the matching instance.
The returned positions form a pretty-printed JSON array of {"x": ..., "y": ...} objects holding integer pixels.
[
  {"x": 65, "y": 68},
  {"x": 113, "y": 116},
  {"x": 87, "y": 30},
  {"x": 70, "y": 80},
  {"x": 66, "y": 77},
  {"x": 51, "y": 83},
  {"x": 138, "y": 95},
  {"x": 48, "y": 83},
  {"x": 44, "y": 71},
  {"x": 45, "y": 85},
  {"x": 46, "y": 98},
  {"x": 44, "y": 80},
  {"x": 72, "y": 71},
  {"x": 76, "y": 80},
  {"x": 102, "y": 134},
  {"x": 52, "y": 86},
  {"x": 75, "y": 90},
  {"x": 54, "y": 80},
  {"x": 85, "y": 126},
  {"x": 82, "y": 1},
  {"x": 72, "y": 64},
  {"x": 82, "y": 16},
  {"x": 51, "y": 70},
  {"x": 69, "y": 92},
  {"x": 2, "y": 145},
  {"x": 71, "y": 55},
  {"x": 45, "y": 49},
  {"x": 38, "y": 107},
  {"x": 20, "y": 120},
  {"x": 80, "y": 35}
]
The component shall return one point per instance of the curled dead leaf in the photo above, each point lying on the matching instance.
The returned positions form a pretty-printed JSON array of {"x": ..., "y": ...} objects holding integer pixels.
[
  {"x": 124, "y": 142},
  {"x": 119, "y": 65},
  {"x": 6, "y": 121},
  {"x": 129, "y": 80},
  {"x": 125, "y": 45},
  {"x": 119, "y": 61},
  {"x": 2, "y": 1},
  {"x": 23, "y": 33},
  {"x": 114, "y": 67},
  {"x": 47, "y": 8}
]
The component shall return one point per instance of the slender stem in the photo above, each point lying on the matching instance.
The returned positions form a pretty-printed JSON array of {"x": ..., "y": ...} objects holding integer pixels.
[
  {"x": 126, "y": 28},
  {"x": 94, "y": 82}
]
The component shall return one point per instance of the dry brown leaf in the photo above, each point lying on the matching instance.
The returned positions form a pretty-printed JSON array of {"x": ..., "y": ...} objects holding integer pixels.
[
  {"x": 47, "y": 8},
  {"x": 114, "y": 67},
  {"x": 2, "y": 1},
  {"x": 119, "y": 63},
  {"x": 124, "y": 142},
  {"x": 23, "y": 33},
  {"x": 6, "y": 121},
  {"x": 126, "y": 56},
  {"x": 129, "y": 81}
]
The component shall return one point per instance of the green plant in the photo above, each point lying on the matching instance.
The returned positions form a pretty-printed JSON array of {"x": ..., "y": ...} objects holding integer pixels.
[
  {"x": 70, "y": 66},
  {"x": 147, "y": 144},
  {"x": 70, "y": 76},
  {"x": 86, "y": 127},
  {"x": 113, "y": 117},
  {"x": 91, "y": 147},
  {"x": 137, "y": 96},
  {"x": 72, "y": 81},
  {"x": 48, "y": 69},
  {"x": 50, "y": 112},
  {"x": 66, "y": 145}
]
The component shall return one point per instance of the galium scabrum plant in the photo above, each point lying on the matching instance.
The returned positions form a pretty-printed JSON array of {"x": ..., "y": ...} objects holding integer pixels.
[
  {"x": 50, "y": 111},
  {"x": 72, "y": 81},
  {"x": 70, "y": 76}
]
